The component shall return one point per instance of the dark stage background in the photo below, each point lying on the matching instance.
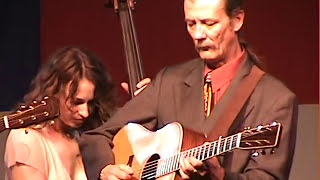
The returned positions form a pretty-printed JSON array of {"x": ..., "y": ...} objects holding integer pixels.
[{"x": 284, "y": 33}]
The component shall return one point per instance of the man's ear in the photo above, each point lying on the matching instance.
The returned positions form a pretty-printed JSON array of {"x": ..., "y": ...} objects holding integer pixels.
[{"x": 237, "y": 20}]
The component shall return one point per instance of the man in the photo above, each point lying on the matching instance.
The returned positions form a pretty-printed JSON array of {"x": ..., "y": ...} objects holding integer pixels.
[{"x": 176, "y": 95}]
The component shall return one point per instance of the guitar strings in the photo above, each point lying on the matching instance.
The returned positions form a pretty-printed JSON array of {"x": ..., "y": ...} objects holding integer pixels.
[{"x": 153, "y": 165}]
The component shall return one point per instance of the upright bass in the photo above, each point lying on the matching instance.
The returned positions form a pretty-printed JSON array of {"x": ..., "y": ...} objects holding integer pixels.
[{"x": 125, "y": 8}]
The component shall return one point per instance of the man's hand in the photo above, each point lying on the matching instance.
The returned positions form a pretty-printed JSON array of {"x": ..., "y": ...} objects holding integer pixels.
[
  {"x": 191, "y": 165},
  {"x": 140, "y": 86},
  {"x": 115, "y": 172}
]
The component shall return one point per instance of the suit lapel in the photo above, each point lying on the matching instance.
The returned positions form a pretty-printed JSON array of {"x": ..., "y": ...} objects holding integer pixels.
[{"x": 188, "y": 96}]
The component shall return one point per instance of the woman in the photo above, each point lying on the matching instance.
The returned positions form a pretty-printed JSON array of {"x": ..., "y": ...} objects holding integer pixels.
[{"x": 50, "y": 150}]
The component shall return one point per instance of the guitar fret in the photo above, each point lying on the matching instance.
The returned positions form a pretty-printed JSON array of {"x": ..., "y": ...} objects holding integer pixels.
[
  {"x": 198, "y": 150},
  {"x": 214, "y": 148},
  {"x": 196, "y": 153},
  {"x": 238, "y": 140},
  {"x": 224, "y": 145},
  {"x": 193, "y": 152},
  {"x": 204, "y": 152},
  {"x": 208, "y": 151},
  {"x": 235, "y": 141},
  {"x": 231, "y": 142},
  {"x": 188, "y": 153},
  {"x": 219, "y": 142}
]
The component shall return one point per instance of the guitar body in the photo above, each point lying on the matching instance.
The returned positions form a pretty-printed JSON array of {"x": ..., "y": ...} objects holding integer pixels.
[
  {"x": 143, "y": 146},
  {"x": 156, "y": 155}
]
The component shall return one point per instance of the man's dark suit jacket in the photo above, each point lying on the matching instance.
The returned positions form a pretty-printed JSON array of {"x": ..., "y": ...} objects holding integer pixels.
[{"x": 176, "y": 95}]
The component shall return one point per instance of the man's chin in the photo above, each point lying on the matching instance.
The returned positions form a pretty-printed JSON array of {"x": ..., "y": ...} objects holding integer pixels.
[
  {"x": 207, "y": 55},
  {"x": 212, "y": 62},
  {"x": 209, "y": 58}
]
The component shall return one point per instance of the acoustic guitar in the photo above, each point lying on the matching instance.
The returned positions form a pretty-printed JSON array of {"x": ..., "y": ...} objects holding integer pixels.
[
  {"x": 156, "y": 155},
  {"x": 33, "y": 113}
]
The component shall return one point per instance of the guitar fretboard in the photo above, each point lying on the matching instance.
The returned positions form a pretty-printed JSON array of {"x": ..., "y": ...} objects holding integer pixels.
[{"x": 203, "y": 152}]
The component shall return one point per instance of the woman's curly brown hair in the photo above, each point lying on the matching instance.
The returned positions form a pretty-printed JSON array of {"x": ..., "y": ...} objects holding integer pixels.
[{"x": 70, "y": 65}]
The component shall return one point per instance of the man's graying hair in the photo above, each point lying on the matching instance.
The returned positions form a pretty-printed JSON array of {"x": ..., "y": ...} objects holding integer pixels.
[{"x": 232, "y": 7}]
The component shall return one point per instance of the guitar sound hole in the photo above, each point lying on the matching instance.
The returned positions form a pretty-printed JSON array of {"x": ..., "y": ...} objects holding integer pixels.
[{"x": 149, "y": 171}]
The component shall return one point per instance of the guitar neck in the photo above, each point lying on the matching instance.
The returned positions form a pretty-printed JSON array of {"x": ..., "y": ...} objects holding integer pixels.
[{"x": 203, "y": 152}]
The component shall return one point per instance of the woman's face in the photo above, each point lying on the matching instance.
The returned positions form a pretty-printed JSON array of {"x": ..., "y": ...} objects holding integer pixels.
[{"x": 73, "y": 112}]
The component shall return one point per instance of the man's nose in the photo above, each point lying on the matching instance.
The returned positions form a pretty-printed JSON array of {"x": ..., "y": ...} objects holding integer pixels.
[
  {"x": 199, "y": 32},
  {"x": 84, "y": 110}
]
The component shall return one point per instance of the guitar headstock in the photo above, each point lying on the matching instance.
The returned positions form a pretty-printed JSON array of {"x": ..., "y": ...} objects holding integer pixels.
[
  {"x": 34, "y": 113},
  {"x": 260, "y": 137}
]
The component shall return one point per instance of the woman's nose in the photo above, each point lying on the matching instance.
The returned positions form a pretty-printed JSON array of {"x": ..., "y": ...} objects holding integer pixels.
[{"x": 84, "y": 110}]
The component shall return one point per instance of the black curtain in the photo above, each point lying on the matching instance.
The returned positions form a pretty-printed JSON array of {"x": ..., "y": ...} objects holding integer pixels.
[{"x": 19, "y": 48}]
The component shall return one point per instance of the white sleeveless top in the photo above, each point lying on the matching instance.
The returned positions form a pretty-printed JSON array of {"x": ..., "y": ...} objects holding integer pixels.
[{"x": 30, "y": 147}]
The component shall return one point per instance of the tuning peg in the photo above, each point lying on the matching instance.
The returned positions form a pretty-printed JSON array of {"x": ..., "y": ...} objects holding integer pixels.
[
  {"x": 20, "y": 121},
  {"x": 43, "y": 102},
  {"x": 259, "y": 127},
  {"x": 46, "y": 113},
  {"x": 255, "y": 154},
  {"x": 247, "y": 128},
  {"x": 274, "y": 123},
  {"x": 263, "y": 152}
]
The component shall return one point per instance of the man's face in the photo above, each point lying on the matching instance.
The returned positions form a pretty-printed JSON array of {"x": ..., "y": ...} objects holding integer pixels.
[{"x": 212, "y": 30}]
